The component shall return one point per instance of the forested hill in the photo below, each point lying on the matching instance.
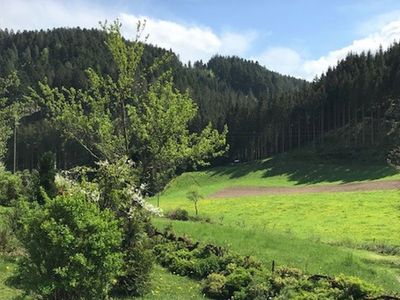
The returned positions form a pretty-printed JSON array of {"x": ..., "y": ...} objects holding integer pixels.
[
  {"x": 228, "y": 90},
  {"x": 350, "y": 108}
]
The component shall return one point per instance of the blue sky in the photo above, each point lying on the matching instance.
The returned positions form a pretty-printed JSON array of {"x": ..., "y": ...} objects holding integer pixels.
[{"x": 299, "y": 37}]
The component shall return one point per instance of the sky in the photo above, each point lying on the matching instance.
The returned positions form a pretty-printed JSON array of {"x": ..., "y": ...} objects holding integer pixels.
[{"x": 301, "y": 38}]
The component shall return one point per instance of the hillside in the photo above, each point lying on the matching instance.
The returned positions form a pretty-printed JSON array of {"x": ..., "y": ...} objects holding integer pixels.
[{"x": 227, "y": 90}]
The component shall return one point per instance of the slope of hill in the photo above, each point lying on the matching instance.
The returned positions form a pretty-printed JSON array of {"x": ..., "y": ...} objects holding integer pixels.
[{"x": 62, "y": 56}]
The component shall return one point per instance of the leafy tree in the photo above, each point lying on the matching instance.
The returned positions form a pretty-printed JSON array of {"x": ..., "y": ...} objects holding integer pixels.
[{"x": 137, "y": 113}]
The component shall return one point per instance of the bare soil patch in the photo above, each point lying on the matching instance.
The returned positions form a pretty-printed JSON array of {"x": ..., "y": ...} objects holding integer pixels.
[{"x": 240, "y": 191}]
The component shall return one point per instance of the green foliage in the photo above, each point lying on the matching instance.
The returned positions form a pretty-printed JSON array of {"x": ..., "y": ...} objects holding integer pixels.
[
  {"x": 178, "y": 214},
  {"x": 30, "y": 184},
  {"x": 129, "y": 116},
  {"x": 7, "y": 86},
  {"x": 47, "y": 174},
  {"x": 73, "y": 249},
  {"x": 114, "y": 187},
  {"x": 8, "y": 243},
  {"x": 214, "y": 286},
  {"x": 11, "y": 187}
]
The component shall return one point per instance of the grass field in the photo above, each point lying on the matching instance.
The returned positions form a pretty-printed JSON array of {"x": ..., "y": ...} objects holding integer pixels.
[
  {"x": 319, "y": 233},
  {"x": 348, "y": 218}
]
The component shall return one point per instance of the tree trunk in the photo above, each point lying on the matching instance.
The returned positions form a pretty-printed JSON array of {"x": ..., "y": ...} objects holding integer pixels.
[
  {"x": 298, "y": 133},
  {"x": 363, "y": 123},
  {"x": 372, "y": 127}
]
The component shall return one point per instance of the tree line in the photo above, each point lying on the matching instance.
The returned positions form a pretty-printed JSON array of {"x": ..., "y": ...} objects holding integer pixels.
[{"x": 345, "y": 109}]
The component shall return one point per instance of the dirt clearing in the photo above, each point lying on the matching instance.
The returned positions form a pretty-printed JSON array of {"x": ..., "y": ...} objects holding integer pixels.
[{"x": 240, "y": 191}]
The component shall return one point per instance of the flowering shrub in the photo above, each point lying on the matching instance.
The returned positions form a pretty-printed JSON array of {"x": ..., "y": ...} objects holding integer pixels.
[{"x": 114, "y": 187}]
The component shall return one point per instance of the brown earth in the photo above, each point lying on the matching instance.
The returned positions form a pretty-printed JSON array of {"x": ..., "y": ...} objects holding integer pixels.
[{"x": 240, "y": 191}]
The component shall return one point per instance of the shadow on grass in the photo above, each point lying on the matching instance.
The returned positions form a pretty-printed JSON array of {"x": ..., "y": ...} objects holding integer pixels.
[{"x": 309, "y": 170}]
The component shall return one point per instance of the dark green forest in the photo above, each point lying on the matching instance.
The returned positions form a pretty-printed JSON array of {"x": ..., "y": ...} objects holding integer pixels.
[{"x": 350, "y": 108}]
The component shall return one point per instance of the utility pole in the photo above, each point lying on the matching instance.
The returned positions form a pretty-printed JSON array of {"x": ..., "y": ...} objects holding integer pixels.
[{"x": 15, "y": 144}]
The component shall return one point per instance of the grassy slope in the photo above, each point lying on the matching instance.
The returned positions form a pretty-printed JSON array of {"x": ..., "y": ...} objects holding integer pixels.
[
  {"x": 291, "y": 229},
  {"x": 283, "y": 170}
]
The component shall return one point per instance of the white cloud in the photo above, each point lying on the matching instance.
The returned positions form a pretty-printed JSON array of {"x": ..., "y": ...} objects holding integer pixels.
[
  {"x": 42, "y": 14},
  {"x": 190, "y": 42},
  {"x": 375, "y": 24},
  {"x": 288, "y": 61},
  {"x": 281, "y": 59}
]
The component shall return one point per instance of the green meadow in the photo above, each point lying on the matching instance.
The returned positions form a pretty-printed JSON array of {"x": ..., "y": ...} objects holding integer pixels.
[{"x": 354, "y": 233}]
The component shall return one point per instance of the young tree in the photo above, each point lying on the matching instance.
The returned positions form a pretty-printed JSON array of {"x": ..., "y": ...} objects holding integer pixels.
[
  {"x": 138, "y": 114},
  {"x": 195, "y": 196}
]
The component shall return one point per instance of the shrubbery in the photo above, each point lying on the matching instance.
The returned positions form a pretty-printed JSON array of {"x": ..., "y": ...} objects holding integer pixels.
[
  {"x": 183, "y": 215},
  {"x": 10, "y": 187},
  {"x": 231, "y": 276},
  {"x": 73, "y": 249},
  {"x": 178, "y": 214}
]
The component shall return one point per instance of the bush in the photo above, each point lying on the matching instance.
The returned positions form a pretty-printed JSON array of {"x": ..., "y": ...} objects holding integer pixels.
[
  {"x": 8, "y": 242},
  {"x": 72, "y": 249},
  {"x": 238, "y": 279},
  {"x": 214, "y": 286},
  {"x": 10, "y": 187},
  {"x": 30, "y": 184},
  {"x": 47, "y": 174},
  {"x": 353, "y": 287},
  {"x": 117, "y": 190},
  {"x": 178, "y": 214}
]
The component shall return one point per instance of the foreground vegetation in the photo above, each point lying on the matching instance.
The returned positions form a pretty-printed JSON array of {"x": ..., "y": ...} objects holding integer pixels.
[{"x": 163, "y": 285}]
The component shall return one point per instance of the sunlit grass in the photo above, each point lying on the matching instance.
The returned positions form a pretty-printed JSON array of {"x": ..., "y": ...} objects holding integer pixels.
[{"x": 352, "y": 217}]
